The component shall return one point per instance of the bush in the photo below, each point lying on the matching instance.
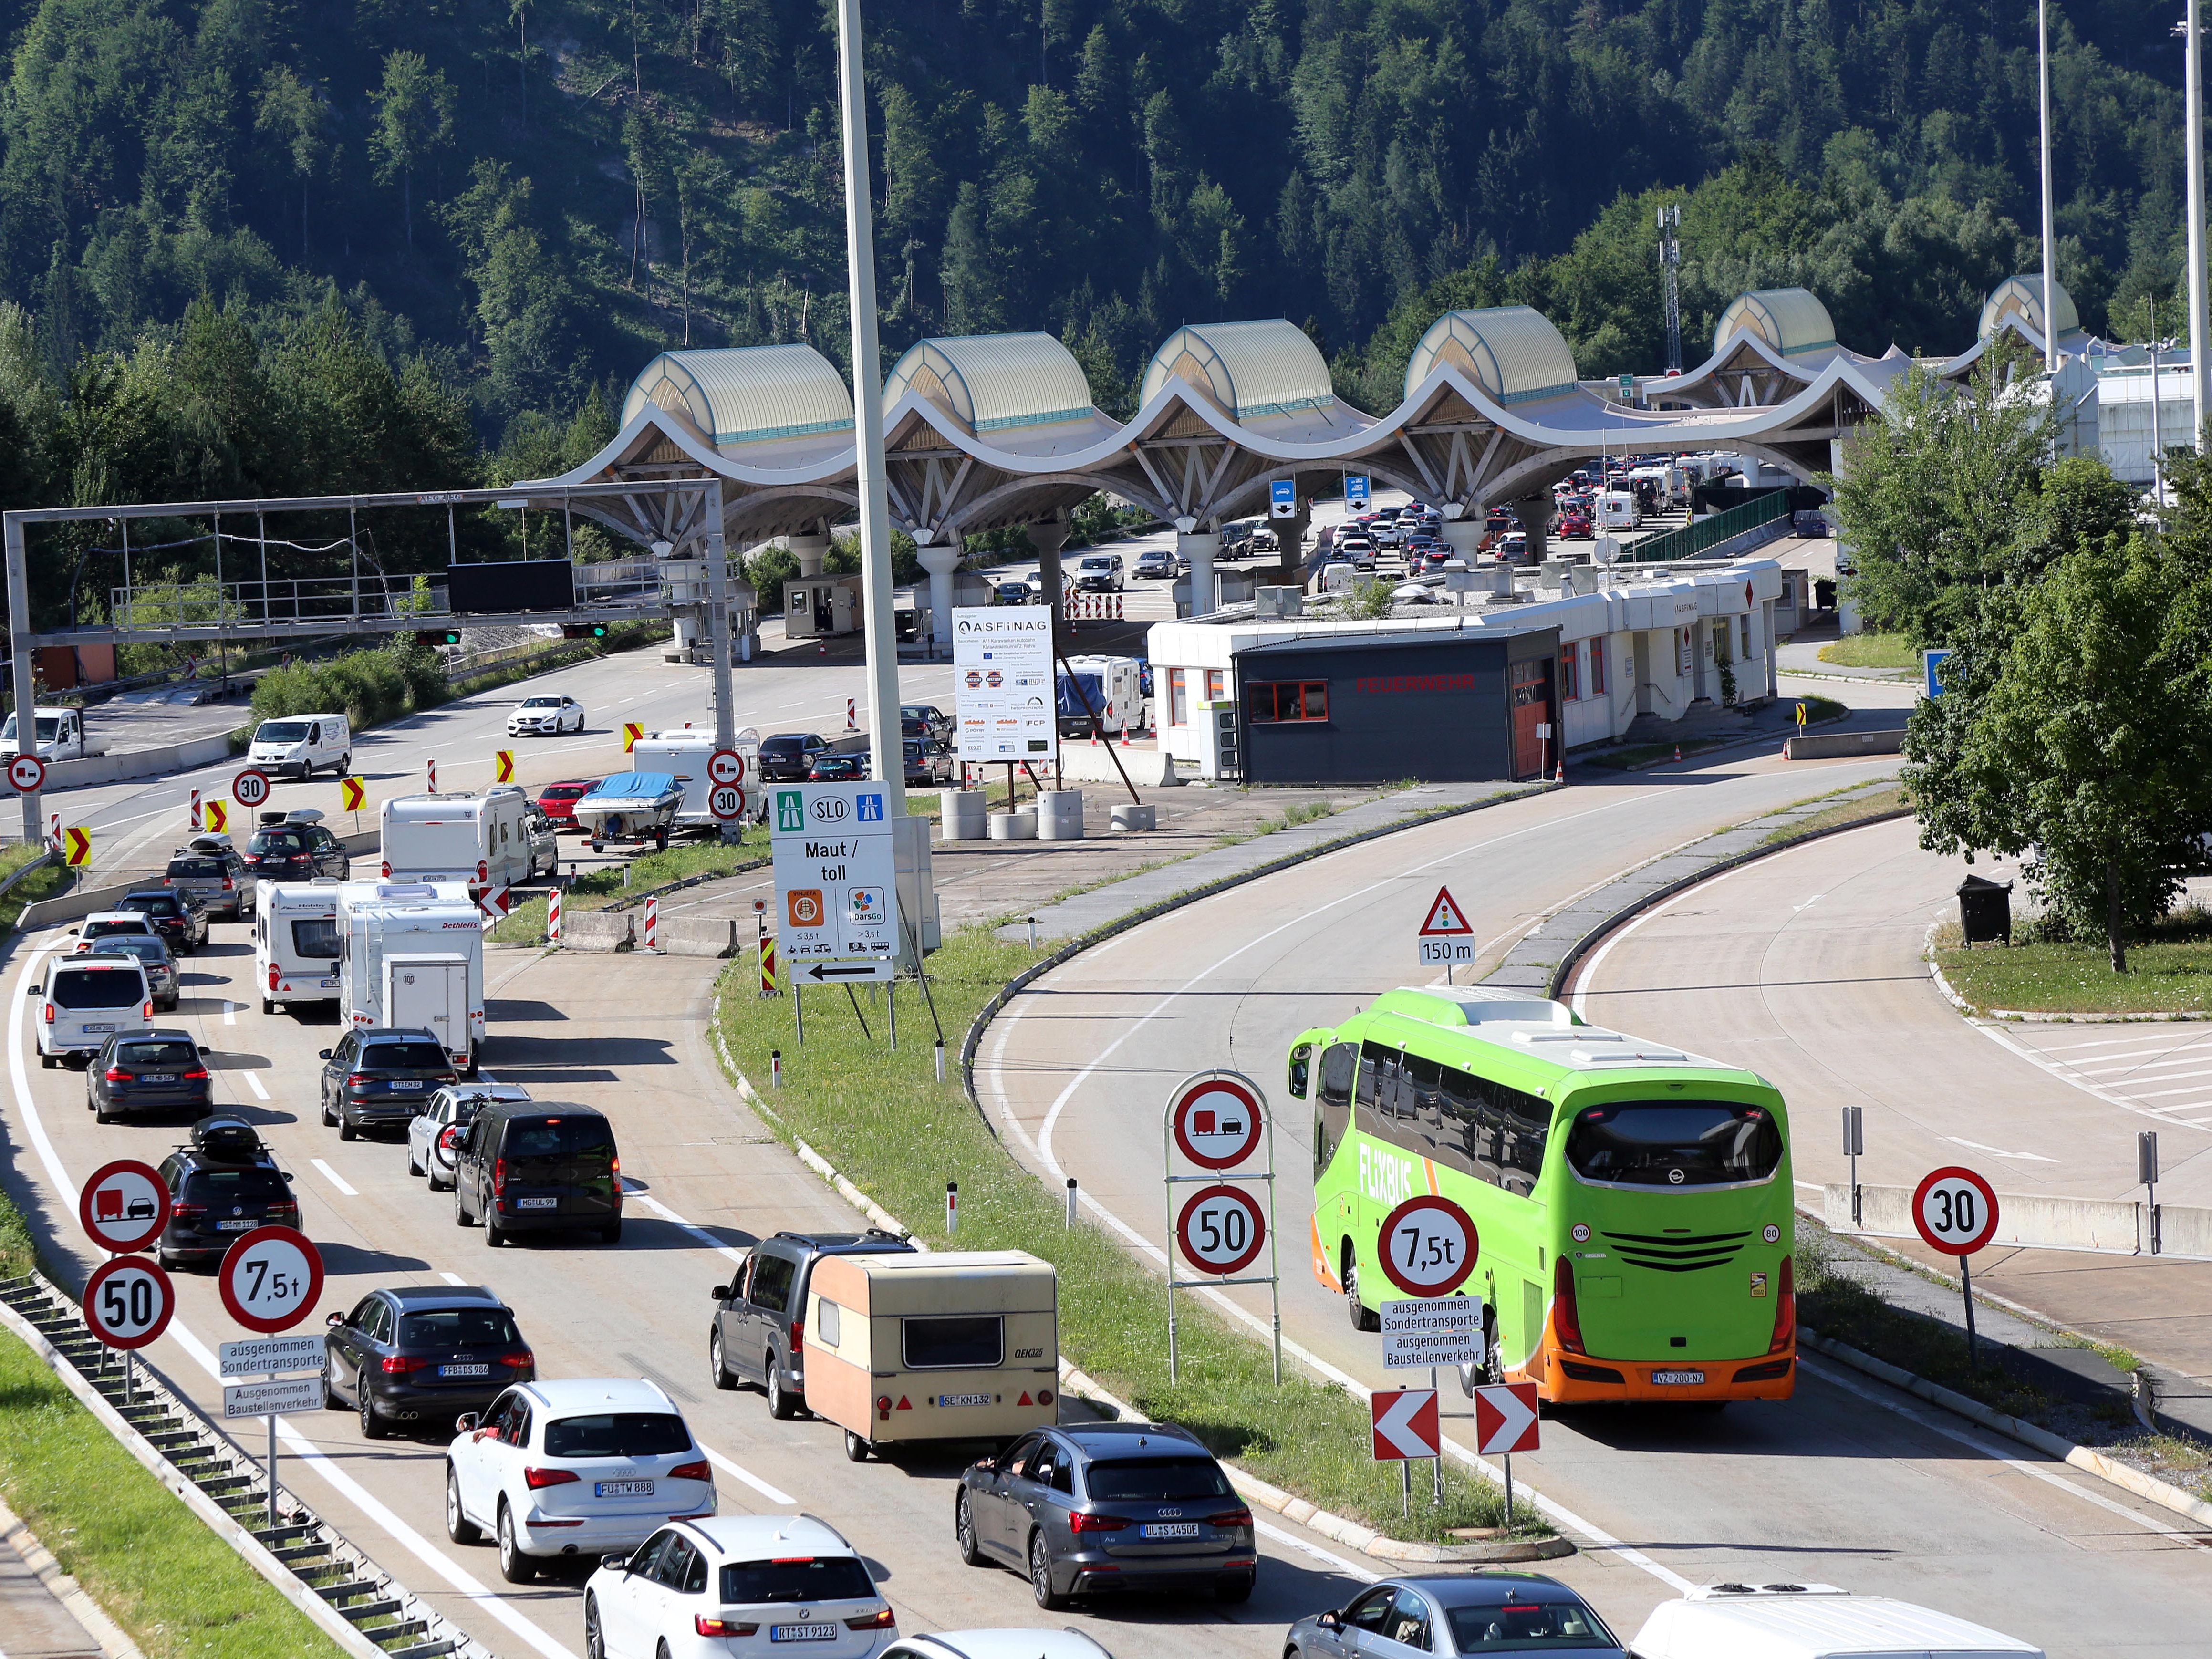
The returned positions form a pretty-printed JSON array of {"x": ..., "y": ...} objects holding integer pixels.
[{"x": 368, "y": 687}]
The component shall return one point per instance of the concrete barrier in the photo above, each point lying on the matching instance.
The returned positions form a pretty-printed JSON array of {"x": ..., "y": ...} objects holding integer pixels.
[
  {"x": 1128, "y": 815},
  {"x": 699, "y": 936},
  {"x": 598, "y": 931},
  {"x": 1842, "y": 745},
  {"x": 1148, "y": 768},
  {"x": 2105, "y": 1226},
  {"x": 156, "y": 763},
  {"x": 1013, "y": 826},
  {"x": 961, "y": 814},
  {"x": 83, "y": 901}
]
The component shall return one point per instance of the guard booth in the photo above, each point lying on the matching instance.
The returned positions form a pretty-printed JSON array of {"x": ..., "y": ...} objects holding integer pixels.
[{"x": 817, "y": 606}]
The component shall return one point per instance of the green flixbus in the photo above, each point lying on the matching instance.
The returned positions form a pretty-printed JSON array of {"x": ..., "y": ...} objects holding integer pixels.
[{"x": 1632, "y": 1202}]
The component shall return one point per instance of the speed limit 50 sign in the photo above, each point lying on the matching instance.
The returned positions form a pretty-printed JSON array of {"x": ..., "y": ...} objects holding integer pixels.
[
  {"x": 1221, "y": 1229},
  {"x": 128, "y": 1301}
]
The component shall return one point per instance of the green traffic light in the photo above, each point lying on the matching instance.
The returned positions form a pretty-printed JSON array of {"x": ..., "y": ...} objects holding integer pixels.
[
  {"x": 453, "y": 637},
  {"x": 599, "y": 630}
]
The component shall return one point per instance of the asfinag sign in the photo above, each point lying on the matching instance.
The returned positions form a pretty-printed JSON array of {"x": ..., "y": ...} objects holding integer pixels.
[{"x": 1003, "y": 683}]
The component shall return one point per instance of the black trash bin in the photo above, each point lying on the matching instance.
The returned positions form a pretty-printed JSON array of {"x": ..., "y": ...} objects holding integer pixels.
[{"x": 1985, "y": 910}]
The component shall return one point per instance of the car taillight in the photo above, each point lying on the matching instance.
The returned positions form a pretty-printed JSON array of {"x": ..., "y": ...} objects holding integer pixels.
[
  {"x": 229, "y": 885},
  {"x": 1567, "y": 1322},
  {"x": 399, "y": 1365},
  {"x": 116, "y": 1074},
  {"x": 167, "y": 882},
  {"x": 356, "y": 1079},
  {"x": 519, "y": 1360},
  {"x": 272, "y": 975},
  {"x": 384, "y": 869},
  {"x": 49, "y": 1014},
  {"x": 798, "y": 1338},
  {"x": 694, "y": 1470},
  {"x": 879, "y": 1620},
  {"x": 187, "y": 1211},
  {"x": 1078, "y": 1522},
  {"x": 499, "y": 1175},
  {"x": 198, "y": 1074},
  {"x": 706, "y": 1627},
  {"x": 1231, "y": 1518},
  {"x": 484, "y": 870},
  {"x": 1785, "y": 1311},
  {"x": 536, "y": 1478},
  {"x": 146, "y": 1009}
]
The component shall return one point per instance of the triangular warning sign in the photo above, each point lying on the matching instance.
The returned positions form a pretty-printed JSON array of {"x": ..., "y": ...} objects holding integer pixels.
[
  {"x": 903, "y": 1405},
  {"x": 1025, "y": 1397},
  {"x": 1444, "y": 916}
]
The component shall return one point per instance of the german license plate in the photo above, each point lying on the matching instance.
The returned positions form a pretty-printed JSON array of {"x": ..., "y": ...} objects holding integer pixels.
[
  {"x": 157, "y": 1077},
  {"x": 964, "y": 1400},
  {"x": 416, "y": 1085},
  {"x": 1170, "y": 1529},
  {"x": 536, "y": 1203},
  {"x": 234, "y": 1226},
  {"x": 327, "y": 984},
  {"x": 464, "y": 1370},
  {"x": 802, "y": 1632},
  {"x": 1665, "y": 1378},
  {"x": 624, "y": 1488},
  {"x": 110, "y": 1026}
]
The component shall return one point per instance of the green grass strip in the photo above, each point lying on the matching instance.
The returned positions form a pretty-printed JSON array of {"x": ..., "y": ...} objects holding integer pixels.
[
  {"x": 1843, "y": 812},
  {"x": 525, "y": 923},
  {"x": 1871, "y": 650},
  {"x": 39, "y": 884},
  {"x": 899, "y": 1135}
]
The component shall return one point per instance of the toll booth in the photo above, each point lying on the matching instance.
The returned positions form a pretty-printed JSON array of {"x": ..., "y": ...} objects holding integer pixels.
[{"x": 815, "y": 607}]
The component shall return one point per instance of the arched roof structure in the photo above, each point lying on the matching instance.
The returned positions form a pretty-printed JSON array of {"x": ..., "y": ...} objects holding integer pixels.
[
  {"x": 2018, "y": 302},
  {"x": 1792, "y": 320},
  {"x": 744, "y": 395},
  {"x": 1512, "y": 352},
  {"x": 994, "y": 382},
  {"x": 1251, "y": 370}
]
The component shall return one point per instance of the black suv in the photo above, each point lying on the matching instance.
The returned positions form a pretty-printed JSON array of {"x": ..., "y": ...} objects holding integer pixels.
[
  {"x": 154, "y": 1071},
  {"x": 422, "y": 1353},
  {"x": 179, "y": 917},
  {"x": 789, "y": 756},
  {"x": 226, "y": 1183},
  {"x": 381, "y": 1076},
  {"x": 758, "y": 1333},
  {"x": 537, "y": 1165},
  {"x": 1090, "y": 1507}
]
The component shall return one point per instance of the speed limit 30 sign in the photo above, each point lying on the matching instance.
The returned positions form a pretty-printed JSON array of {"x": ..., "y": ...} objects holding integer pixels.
[
  {"x": 1221, "y": 1229},
  {"x": 1956, "y": 1211},
  {"x": 726, "y": 801},
  {"x": 1427, "y": 1246},
  {"x": 128, "y": 1301},
  {"x": 250, "y": 787},
  {"x": 272, "y": 1279}
]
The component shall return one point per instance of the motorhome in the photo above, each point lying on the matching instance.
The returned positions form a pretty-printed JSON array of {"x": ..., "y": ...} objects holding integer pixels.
[
  {"x": 1618, "y": 509},
  {"x": 296, "y": 942},
  {"x": 481, "y": 841},
  {"x": 1812, "y": 1621},
  {"x": 1112, "y": 688},
  {"x": 411, "y": 956},
  {"x": 683, "y": 752}
]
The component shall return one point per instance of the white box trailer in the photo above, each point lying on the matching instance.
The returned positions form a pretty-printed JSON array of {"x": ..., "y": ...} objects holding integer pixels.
[
  {"x": 296, "y": 942},
  {"x": 480, "y": 841},
  {"x": 683, "y": 753},
  {"x": 412, "y": 957}
]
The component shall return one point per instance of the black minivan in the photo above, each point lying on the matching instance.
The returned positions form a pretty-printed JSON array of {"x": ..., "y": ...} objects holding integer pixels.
[{"x": 538, "y": 1166}]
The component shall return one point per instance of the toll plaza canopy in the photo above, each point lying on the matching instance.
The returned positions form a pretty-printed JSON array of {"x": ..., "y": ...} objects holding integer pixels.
[{"x": 992, "y": 431}]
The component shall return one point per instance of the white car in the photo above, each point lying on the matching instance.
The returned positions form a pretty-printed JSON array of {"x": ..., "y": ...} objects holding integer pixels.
[
  {"x": 695, "y": 1586},
  {"x": 450, "y": 1108},
  {"x": 574, "y": 1468},
  {"x": 1066, "y": 1643},
  {"x": 104, "y": 924},
  {"x": 545, "y": 716},
  {"x": 84, "y": 999}
]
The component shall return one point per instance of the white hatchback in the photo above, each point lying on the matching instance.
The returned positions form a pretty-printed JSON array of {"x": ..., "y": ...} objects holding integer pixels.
[
  {"x": 696, "y": 1587},
  {"x": 453, "y": 1107},
  {"x": 573, "y": 1467}
]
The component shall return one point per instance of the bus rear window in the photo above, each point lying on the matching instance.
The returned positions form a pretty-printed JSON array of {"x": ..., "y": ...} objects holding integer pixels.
[{"x": 1674, "y": 1143}]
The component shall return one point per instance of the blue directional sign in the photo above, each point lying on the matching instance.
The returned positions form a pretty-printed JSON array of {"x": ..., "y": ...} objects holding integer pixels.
[
  {"x": 870, "y": 808},
  {"x": 1283, "y": 499},
  {"x": 1357, "y": 495},
  {"x": 1930, "y": 661}
]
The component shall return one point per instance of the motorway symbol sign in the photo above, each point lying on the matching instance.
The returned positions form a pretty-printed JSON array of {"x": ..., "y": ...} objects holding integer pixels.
[
  {"x": 1505, "y": 1418},
  {"x": 1221, "y": 1229},
  {"x": 124, "y": 1207},
  {"x": 277, "y": 1397},
  {"x": 1357, "y": 492},
  {"x": 725, "y": 766},
  {"x": 1428, "y": 1246},
  {"x": 1445, "y": 917},
  {"x": 1405, "y": 1423},
  {"x": 128, "y": 1301},
  {"x": 1444, "y": 1330},
  {"x": 351, "y": 794},
  {"x": 1217, "y": 1122},
  {"x": 250, "y": 787},
  {"x": 272, "y": 1279},
  {"x": 262, "y": 1354},
  {"x": 503, "y": 766},
  {"x": 28, "y": 773},
  {"x": 726, "y": 801},
  {"x": 631, "y": 732},
  {"x": 1956, "y": 1211},
  {"x": 77, "y": 848}
]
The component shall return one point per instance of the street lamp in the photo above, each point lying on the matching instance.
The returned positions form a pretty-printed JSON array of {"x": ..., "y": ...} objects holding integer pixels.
[
  {"x": 2200, "y": 362},
  {"x": 2049, "y": 253}
]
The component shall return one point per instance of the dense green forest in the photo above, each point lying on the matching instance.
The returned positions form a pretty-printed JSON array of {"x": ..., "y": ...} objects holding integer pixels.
[{"x": 269, "y": 244}]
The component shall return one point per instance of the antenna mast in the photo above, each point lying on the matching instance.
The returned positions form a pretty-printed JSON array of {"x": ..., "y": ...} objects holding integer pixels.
[{"x": 1670, "y": 266}]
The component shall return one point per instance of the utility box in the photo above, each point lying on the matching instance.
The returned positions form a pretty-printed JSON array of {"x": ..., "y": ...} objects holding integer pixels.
[
  {"x": 1221, "y": 747},
  {"x": 1985, "y": 910},
  {"x": 815, "y": 607}
]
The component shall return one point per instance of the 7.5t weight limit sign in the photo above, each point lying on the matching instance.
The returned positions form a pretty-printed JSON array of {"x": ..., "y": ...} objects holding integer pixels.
[
  {"x": 1428, "y": 1246},
  {"x": 272, "y": 1279}
]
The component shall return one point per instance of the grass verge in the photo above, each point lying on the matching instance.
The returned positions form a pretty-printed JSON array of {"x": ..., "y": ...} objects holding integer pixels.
[
  {"x": 525, "y": 923},
  {"x": 899, "y": 1135},
  {"x": 39, "y": 884},
  {"x": 1290, "y": 818},
  {"x": 1843, "y": 812},
  {"x": 2169, "y": 971},
  {"x": 1871, "y": 650}
]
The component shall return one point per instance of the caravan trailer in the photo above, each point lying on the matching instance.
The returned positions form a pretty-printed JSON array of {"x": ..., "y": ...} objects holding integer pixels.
[
  {"x": 483, "y": 841},
  {"x": 683, "y": 753},
  {"x": 296, "y": 942},
  {"x": 411, "y": 956}
]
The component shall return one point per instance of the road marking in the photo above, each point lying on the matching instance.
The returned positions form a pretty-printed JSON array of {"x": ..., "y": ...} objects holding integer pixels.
[
  {"x": 230, "y": 1013},
  {"x": 1809, "y": 1186},
  {"x": 1588, "y": 971},
  {"x": 1336, "y": 1563},
  {"x": 1998, "y": 1151},
  {"x": 450, "y": 1278},
  {"x": 2191, "y": 1088},
  {"x": 690, "y": 1227},
  {"x": 255, "y": 1084},
  {"x": 2129, "y": 1066},
  {"x": 2102, "y": 1042},
  {"x": 334, "y": 1177},
  {"x": 729, "y": 1466},
  {"x": 2067, "y": 1075}
]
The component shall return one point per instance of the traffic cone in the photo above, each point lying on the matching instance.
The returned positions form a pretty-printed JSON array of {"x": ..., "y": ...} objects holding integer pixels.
[
  {"x": 1561, "y": 777},
  {"x": 1678, "y": 752}
]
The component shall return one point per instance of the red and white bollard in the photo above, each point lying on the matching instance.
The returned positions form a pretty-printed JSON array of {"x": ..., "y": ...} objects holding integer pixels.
[
  {"x": 652, "y": 924},
  {"x": 54, "y": 829},
  {"x": 433, "y": 767},
  {"x": 195, "y": 811},
  {"x": 849, "y": 724},
  {"x": 553, "y": 915}
]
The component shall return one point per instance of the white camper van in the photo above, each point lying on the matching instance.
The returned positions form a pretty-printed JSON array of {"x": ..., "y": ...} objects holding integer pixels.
[
  {"x": 1113, "y": 687},
  {"x": 1812, "y": 1621},
  {"x": 295, "y": 942},
  {"x": 683, "y": 753},
  {"x": 481, "y": 841},
  {"x": 411, "y": 956},
  {"x": 1618, "y": 509}
]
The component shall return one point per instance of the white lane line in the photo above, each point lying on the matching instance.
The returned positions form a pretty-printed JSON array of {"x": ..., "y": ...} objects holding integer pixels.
[
  {"x": 2133, "y": 1068},
  {"x": 2188, "y": 1089},
  {"x": 2106, "y": 1042},
  {"x": 729, "y": 1466},
  {"x": 690, "y": 1227},
  {"x": 2065, "y": 1074},
  {"x": 230, "y": 1013},
  {"x": 255, "y": 1084},
  {"x": 1809, "y": 1186},
  {"x": 1998, "y": 1151},
  {"x": 332, "y": 1176},
  {"x": 1335, "y": 1563},
  {"x": 497, "y": 1606},
  {"x": 450, "y": 1278}
]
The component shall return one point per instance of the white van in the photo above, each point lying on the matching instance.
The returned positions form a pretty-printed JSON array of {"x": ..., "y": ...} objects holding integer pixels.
[
  {"x": 412, "y": 956},
  {"x": 295, "y": 942},
  {"x": 1099, "y": 573},
  {"x": 302, "y": 744},
  {"x": 683, "y": 753},
  {"x": 483, "y": 841},
  {"x": 1811, "y": 1621},
  {"x": 84, "y": 999},
  {"x": 1112, "y": 687}
]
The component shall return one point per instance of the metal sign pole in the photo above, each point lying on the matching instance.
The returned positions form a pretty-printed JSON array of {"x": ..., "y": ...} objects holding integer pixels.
[
  {"x": 797, "y": 1014},
  {"x": 1167, "y": 1164},
  {"x": 1508, "y": 1459},
  {"x": 1967, "y": 1283},
  {"x": 1274, "y": 1262},
  {"x": 272, "y": 1463},
  {"x": 1436, "y": 1463}
]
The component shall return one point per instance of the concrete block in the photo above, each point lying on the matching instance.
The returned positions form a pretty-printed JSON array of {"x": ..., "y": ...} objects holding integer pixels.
[
  {"x": 962, "y": 813},
  {"x": 598, "y": 930},
  {"x": 1013, "y": 826},
  {"x": 1152, "y": 768},
  {"x": 1841, "y": 745},
  {"x": 1129, "y": 815},
  {"x": 699, "y": 936},
  {"x": 2184, "y": 1229},
  {"x": 1059, "y": 815}
]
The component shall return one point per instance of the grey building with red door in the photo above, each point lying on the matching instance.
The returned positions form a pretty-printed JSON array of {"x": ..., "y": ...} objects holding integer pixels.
[{"x": 1462, "y": 706}]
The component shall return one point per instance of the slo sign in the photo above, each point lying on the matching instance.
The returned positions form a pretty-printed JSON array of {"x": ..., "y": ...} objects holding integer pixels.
[{"x": 835, "y": 875}]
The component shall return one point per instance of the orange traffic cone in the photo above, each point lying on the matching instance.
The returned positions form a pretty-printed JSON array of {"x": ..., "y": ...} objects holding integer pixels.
[
  {"x": 1561, "y": 777},
  {"x": 1678, "y": 752}
]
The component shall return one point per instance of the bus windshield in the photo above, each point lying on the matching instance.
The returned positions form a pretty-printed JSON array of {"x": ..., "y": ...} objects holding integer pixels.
[{"x": 1674, "y": 1143}]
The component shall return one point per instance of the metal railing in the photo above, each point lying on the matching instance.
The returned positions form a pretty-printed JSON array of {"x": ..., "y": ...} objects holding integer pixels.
[
  {"x": 1693, "y": 539},
  {"x": 333, "y": 599}
]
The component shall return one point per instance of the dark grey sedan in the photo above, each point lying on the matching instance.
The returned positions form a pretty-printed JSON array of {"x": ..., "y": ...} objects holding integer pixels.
[
  {"x": 1413, "y": 1618},
  {"x": 1102, "y": 1508}
]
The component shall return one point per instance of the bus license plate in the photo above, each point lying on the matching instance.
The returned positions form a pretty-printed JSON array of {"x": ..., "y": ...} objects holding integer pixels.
[
  {"x": 1663, "y": 1378},
  {"x": 624, "y": 1488},
  {"x": 802, "y": 1632},
  {"x": 1169, "y": 1529},
  {"x": 964, "y": 1400}
]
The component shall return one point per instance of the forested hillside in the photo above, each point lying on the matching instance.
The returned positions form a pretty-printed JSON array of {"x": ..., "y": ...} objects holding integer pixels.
[{"x": 503, "y": 207}]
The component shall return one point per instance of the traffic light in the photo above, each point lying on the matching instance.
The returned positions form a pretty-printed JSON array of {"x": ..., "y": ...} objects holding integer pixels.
[
  {"x": 453, "y": 637},
  {"x": 430, "y": 638},
  {"x": 597, "y": 630}
]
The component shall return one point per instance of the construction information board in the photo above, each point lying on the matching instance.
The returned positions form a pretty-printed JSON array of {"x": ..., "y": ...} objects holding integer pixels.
[
  {"x": 1002, "y": 683},
  {"x": 1443, "y": 1331},
  {"x": 837, "y": 878}
]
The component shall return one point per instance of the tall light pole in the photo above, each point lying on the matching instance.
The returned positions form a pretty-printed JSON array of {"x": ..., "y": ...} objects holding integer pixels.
[
  {"x": 2200, "y": 349},
  {"x": 880, "y": 635},
  {"x": 2049, "y": 252}
]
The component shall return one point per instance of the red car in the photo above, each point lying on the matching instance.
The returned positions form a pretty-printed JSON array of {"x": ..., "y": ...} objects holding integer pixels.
[
  {"x": 1573, "y": 526},
  {"x": 558, "y": 801}
]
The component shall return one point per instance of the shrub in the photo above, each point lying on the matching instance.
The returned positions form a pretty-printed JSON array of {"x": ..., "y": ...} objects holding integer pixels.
[{"x": 368, "y": 687}]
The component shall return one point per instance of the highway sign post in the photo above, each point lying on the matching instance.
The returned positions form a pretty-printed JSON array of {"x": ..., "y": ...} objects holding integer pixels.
[
  {"x": 124, "y": 1207},
  {"x": 1357, "y": 491},
  {"x": 250, "y": 789},
  {"x": 351, "y": 794},
  {"x": 128, "y": 1301},
  {"x": 726, "y": 801},
  {"x": 1446, "y": 937},
  {"x": 503, "y": 766},
  {"x": 1283, "y": 498},
  {"x": 270, "y": 1280},
  {"x": 725, "y": 766},
  {"x": 1214, "y": 1123},
  {"x": 836, "y": 884},
  {"x": 1956, "y": 1212},
  {"x": 631, "y": 732},
  {"x": 28, "y": 773},
  {"x": 1003, "y": 690},
  {"x": 494, "y": 904},
  {"x": 77, "y": 847}
]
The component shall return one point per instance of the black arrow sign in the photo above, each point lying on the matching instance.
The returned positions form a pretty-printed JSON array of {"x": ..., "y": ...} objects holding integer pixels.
[{"x": 858, "y": 970}]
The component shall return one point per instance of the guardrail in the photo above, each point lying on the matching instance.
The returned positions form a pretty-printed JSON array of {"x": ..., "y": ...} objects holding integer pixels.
[{"x": 1693, "y": 539}]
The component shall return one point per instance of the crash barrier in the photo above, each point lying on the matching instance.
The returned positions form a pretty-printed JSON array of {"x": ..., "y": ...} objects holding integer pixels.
[
  {"x": 1834, "y": 746},
  {"x": 2105, "y": 1226},
  {"x": 1059, "y": 815},
  {"x": 598, "y": 930},
  {"x": 1706, "y": 534},
  {"x": 1148, "y": 768},
  {"x": 80, "y": 901},
  {"x": 1130, "y": 815},
  {"x": 699, "y": 936},
  {"x": 115, "y": 767},
  {"x": 1094, "y": 607}
]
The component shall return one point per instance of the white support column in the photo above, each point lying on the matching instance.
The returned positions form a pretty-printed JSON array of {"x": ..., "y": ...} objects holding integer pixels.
[
  {"x": 810, "y": 550},
  {"x": 1200, "y": 550},
  {"x": 940, "y": 561},
  {"x": 1048, "y": 537}
]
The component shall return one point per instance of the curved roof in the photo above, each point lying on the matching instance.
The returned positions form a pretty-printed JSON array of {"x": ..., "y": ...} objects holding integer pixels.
[
  {"x": 1250, "y": 369},
  {"x": 2020, "y": 299},
  {"x": 1513, "y": 351},
  {"x": 992, "y": 382},
  {"x": 1790, "y": 320},
  {"x": 746, "y": 394}
]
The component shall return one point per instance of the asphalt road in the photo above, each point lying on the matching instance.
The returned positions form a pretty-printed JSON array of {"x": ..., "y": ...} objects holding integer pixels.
[{"x": 1848, "y": 1483}]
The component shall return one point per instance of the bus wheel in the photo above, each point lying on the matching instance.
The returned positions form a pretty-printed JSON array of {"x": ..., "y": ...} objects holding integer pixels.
[{"x": 1364, "y": 1318}]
